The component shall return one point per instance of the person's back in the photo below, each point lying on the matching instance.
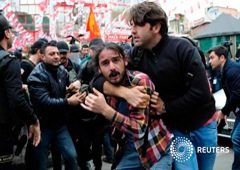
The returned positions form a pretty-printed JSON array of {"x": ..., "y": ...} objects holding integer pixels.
[{"x": 12, "y": 100}]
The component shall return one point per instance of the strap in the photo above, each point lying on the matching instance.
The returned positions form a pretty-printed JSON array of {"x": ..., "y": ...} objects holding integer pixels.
[
  {"x": 6, "y": 158},
  {"x": 136, "y": 57},
  {"x": 3, "y": 54}
]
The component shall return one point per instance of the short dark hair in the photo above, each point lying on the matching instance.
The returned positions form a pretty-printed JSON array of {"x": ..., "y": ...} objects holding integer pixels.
[
  {"x": 108, "y": 46},
  {"x": 219, "y": 50},
  {"x": 1, "y": 35},
  {"x": 85, "y": 46},
  {"x": 148, "y": 12},
  {"x": 44, "y": 46}
]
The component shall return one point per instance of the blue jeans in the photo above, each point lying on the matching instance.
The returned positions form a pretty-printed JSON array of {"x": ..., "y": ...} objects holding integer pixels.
[
  {"x": 60, "y": 139},
  {"x": 236, "y": 143},
  {"x": 203, "y": 137},
  {"x": 130, "y": 159},
  {"x": 165, "y": 161},
  {"x": 107, "y": 144}
]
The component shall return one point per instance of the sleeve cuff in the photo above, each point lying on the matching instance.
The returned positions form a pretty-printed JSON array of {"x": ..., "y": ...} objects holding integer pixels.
[
  {"x": 32, "y": 119},
  {"x": 225, "y": 111}
]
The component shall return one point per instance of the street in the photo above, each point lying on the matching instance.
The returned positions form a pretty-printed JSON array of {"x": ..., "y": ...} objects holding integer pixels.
[{"x": 223, "y": 160}]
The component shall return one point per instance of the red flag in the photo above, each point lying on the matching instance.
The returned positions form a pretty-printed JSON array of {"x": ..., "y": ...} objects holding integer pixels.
[{"x": 92, "y": 26}]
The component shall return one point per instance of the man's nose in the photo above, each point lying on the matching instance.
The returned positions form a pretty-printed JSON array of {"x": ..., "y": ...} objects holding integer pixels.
[
  {"x": 56, "y": 55},
  {"x": 112, "y": 66},
  {"x": 133, "y": 29}
]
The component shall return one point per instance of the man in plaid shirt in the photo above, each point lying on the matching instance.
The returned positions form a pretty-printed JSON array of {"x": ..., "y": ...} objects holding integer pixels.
[{"x": 131, "y": 123}]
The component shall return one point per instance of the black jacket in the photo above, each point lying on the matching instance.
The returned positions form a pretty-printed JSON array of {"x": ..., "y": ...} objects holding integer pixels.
[
  {"x": 26, "y": 66},
  {"x": 167, "y": 64},
  {"x": 11, "y": 94},
  {"x": 87, "y": 72},
  {"x": 231, "y": 85},
  {"x": 47, "y": 88}
]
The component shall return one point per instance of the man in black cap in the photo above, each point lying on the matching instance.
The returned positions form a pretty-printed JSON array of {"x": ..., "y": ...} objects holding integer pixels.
[
  {"x": 70, "y": 66},
  {"x": 12, "y": 99},
  {"x": 74, "y": 55}
]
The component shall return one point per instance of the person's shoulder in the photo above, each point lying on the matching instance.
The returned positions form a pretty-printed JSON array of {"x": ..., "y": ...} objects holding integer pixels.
[
  {"x": 231, "y": 66},
  {"x": 8, "y": 59},
  {"x": 139, "y": 78},
  {"x": 139, "y": 74},
  {"x": 38, "y": 74}
]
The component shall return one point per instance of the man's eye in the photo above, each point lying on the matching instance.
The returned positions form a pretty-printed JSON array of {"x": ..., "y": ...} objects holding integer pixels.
[
  {"x": 115, "y": 60},
  {"x": 105, "y": 63}
]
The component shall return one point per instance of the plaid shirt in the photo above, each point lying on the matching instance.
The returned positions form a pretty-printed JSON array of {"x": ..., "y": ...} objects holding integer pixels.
[{"x": 136, "y": 123}]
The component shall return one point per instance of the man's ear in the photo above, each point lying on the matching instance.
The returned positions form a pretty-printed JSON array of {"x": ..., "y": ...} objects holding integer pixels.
[
  {"x": 7, "y": 33},
  {"x": 222, "y": 58},
  {"x": 157, "y": 28},
  {"x": 38, "y": 52},
  {"x": 42, "y": 56},
  {"x": 99, "y": 70}
]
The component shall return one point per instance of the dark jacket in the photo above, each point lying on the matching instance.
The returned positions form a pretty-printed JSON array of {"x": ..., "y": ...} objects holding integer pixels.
[
  {"x": 11, "y": 93},
  {"x": 26, "y": 66},
  {"x": 87, "y": 72},
  {"x": 188, "y": 108},
  {"x": 47, "y": 88},
  {"x": 231, "y": 85},
  {"x": 167, "y": 64},
  {"x": 73, "y": 70}
]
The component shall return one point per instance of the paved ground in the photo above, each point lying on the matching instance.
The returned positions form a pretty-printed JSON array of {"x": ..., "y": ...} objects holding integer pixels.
[{"x": 223, "y": 160}]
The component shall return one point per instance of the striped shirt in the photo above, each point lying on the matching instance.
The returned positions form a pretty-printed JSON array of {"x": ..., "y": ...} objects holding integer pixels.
[{"x": 136, "y": 122}]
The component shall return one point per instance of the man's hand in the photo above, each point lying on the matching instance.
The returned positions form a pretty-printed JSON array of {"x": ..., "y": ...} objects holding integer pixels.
[
  {"x": 157, "y": 102},
  {"x": 74, "y": 87},
  {"x": 221, "y": 116},
  {"x": 76, "y": 99},
  {"x": 95, "y": 102},
  {"x": 34, "y": 131},
  {"x": 137, "y": 97}
]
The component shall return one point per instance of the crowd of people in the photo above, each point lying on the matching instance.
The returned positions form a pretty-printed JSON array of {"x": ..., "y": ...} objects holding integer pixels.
[{"x": 137, "y": 100}]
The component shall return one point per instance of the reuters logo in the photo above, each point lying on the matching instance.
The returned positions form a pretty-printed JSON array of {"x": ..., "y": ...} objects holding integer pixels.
[{"x": 181, "y": 149}]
